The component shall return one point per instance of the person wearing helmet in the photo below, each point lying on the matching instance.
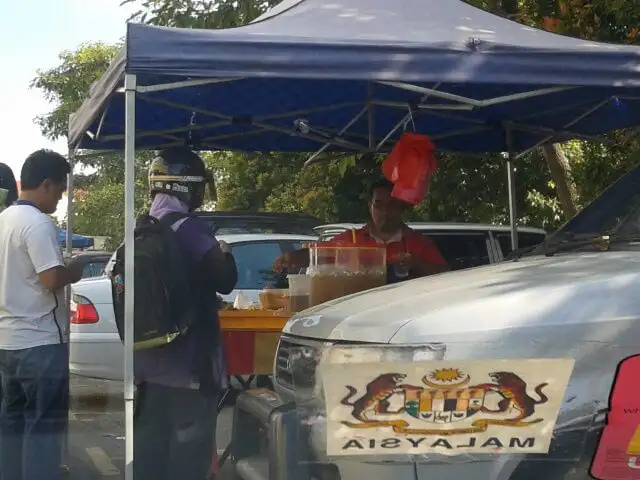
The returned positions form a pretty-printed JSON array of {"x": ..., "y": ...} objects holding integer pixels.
[
  {"x": 178, "y": 384},
  {"x": 8, "y": 187}
]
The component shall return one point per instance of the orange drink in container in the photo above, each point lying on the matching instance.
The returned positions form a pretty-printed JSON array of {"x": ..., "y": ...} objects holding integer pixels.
[{"x": 339, "y": 269}]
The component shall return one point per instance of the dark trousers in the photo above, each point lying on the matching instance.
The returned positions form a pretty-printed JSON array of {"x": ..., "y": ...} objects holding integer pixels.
[
  {"x": 173, "y": 433},
  {"x": 34, "y": 411}
]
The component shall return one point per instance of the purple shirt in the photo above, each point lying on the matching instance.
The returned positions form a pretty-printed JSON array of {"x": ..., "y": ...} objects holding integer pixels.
[{"x": 173, "y": 365}]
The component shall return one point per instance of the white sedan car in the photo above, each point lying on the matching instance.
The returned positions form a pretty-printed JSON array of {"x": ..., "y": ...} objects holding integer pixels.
[{"x": 95, "y": 348}]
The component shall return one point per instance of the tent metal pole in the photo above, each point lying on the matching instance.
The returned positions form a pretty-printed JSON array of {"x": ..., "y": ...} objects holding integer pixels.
[
  {"x": 318, "y": 152},
  {"x": 129, "y": 226},
  {"x": 585, "y": 114},
  {"x": 404, "y": 120},
  {"x": 184, "y": 84},
  {"x": 68, "y": 251},
  {"x": 470, "y": 101},
  {"x": 511, "y": 185},
  {"x": 71, "y": 156}
]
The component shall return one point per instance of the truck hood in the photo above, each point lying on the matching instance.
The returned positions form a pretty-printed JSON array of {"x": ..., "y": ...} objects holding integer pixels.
[{"x": 566, "y": 288}]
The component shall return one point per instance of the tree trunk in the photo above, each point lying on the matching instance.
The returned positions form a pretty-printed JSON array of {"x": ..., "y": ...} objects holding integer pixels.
[{"x": 561, "y": 174}]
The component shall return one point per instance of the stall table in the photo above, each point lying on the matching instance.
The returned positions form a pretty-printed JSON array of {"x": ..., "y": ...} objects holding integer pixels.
[{"x": 250, "y": 340}]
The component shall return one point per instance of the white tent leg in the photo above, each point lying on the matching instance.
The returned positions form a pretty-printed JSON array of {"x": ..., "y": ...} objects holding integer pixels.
[
  {"x": 68, "y": 251},
  {"x": 129, "y": 226},
  {"x": 69, "y": 240}
]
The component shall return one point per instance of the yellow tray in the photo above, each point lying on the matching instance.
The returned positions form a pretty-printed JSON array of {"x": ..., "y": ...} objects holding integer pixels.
[{"x": 252, "y": 320}]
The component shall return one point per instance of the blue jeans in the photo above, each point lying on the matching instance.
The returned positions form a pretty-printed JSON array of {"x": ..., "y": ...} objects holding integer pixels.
[{"x": 34, "y": 412}]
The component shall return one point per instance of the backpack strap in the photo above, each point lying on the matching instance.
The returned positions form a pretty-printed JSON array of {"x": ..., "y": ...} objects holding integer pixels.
[{"x": 170, "y": 219}]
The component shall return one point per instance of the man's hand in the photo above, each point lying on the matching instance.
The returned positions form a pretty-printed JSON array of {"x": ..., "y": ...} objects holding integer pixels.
[
  {"x": 417, "y": 266},
  {"x": 405, "y": 260},
  {"x": 283, "y": 262},
  {"x": 224, "y": 246},
  {"x": 75, "y": 271},
  {"x": 292, "y": 261}
]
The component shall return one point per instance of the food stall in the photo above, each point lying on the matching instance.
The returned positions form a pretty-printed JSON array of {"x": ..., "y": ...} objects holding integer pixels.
[
  {"x": 318, "y": 79},
  {"x": 335, "y": 270},
  {"x": 250, "y": 339}
]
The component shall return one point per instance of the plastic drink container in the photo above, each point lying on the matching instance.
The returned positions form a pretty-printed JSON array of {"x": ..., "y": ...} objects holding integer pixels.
[{"x": 299, "y": 292}]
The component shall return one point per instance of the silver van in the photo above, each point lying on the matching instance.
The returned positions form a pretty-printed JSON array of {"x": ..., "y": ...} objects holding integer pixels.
[{"x": 568, "y": 311}]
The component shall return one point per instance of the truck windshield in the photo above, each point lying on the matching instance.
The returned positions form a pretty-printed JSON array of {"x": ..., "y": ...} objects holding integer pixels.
[{"x": 615, "y": 212}]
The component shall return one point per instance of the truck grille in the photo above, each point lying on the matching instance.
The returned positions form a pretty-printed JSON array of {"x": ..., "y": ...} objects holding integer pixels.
[{"x": 296, "y": 362}]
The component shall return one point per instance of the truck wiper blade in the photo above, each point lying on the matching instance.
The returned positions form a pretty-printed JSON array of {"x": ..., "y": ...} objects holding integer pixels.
[
  {"x": 576, "y": 241},
  {"x": 624, "y": 238},
  {"x": 521, "y": 252},
  {"x": 601, "y": 241}
]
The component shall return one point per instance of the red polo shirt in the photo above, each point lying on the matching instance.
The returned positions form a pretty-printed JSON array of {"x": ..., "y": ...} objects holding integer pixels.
[{"x": 407, "y": 241}]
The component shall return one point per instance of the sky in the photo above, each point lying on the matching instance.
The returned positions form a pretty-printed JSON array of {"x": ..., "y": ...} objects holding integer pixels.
[{"x": 32, "y": 34}]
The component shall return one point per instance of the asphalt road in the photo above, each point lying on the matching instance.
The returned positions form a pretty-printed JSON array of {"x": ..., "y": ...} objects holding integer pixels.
[{"x": 96, "y": 430}]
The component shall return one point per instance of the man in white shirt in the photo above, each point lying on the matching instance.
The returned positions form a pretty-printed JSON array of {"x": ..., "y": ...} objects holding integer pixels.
[{"x": 34, "y": 366}]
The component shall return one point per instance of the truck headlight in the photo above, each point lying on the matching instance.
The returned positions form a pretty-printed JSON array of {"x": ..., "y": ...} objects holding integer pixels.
[{"x": 308, "y": 389}]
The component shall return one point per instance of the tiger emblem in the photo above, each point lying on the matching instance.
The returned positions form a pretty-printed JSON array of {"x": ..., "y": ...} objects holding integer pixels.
[{"x": 376, "y": 396}]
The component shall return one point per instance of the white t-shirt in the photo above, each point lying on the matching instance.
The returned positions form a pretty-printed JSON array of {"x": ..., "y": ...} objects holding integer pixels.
[{"x": 30, "y": 315}]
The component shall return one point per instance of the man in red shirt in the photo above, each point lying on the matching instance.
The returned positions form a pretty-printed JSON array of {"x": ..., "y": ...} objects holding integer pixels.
[{"x": 409, "y": 253}]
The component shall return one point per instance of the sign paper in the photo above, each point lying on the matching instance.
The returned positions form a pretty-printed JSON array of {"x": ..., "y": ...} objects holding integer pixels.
[{"x": 444, "y": 407}]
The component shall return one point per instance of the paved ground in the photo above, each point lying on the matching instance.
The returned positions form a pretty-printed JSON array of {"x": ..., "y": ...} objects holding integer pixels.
[{"x": 96, "y": 430}]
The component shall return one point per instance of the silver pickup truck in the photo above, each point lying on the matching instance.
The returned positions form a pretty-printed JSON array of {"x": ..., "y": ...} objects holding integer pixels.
[{"x": 574, "y": 298}]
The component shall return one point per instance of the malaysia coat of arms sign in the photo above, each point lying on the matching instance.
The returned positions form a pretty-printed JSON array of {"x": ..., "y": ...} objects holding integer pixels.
[{"x": 446, "y": 407}]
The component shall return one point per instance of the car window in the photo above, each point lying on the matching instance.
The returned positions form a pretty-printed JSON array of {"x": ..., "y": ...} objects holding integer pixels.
[
  {"x": 254, "y": 261},
  {"x": 525, "y": 239},
  {"x": 462, "y": 249},
  {"x": 93, "y": 269},
  {"x": 289, "y": 246}
]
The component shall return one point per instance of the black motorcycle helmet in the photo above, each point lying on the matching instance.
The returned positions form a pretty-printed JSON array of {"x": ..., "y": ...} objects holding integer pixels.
[
  {"x": 8, "y": 186},
  {"x": 180, "y": 172}
]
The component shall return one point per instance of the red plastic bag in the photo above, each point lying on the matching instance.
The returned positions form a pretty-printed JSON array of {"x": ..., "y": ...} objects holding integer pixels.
[{"x": 409, "y": 167}]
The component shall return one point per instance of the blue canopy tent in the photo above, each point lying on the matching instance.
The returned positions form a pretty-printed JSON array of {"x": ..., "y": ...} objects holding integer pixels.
[
  {"x": 78, "y": 241},
  {"x": 294, "y": 78},
  {"x": 349, "y": 76}
]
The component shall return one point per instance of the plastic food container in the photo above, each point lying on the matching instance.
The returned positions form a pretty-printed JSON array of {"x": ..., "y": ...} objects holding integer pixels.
[
  {"x": 339, "y": 270},
  {"x": 299, "y": 292},
  {"x": 274, "y": 298}
]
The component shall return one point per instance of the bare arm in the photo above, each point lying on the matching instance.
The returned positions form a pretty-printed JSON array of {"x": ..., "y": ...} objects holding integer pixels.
[
  {"x": 41, "y": 241},
  {"x": 58, "y": 277}
]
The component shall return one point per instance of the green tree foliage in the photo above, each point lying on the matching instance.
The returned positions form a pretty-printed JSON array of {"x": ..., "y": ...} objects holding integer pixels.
[
  {"x": 67, "y": 84},
  {"x": 98, "y": 210},
  {"x": 199, "y": 13},
  {"x": 99, "y": 205}
]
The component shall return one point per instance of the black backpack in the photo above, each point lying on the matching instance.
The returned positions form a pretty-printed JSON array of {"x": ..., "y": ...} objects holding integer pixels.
[{"x": 164, "y": 297}]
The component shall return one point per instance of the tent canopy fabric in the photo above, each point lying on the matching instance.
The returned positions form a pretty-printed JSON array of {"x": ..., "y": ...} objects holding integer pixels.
[
  {"x": 78, "y": 241},
  {"x": 297, "y": 76}
]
